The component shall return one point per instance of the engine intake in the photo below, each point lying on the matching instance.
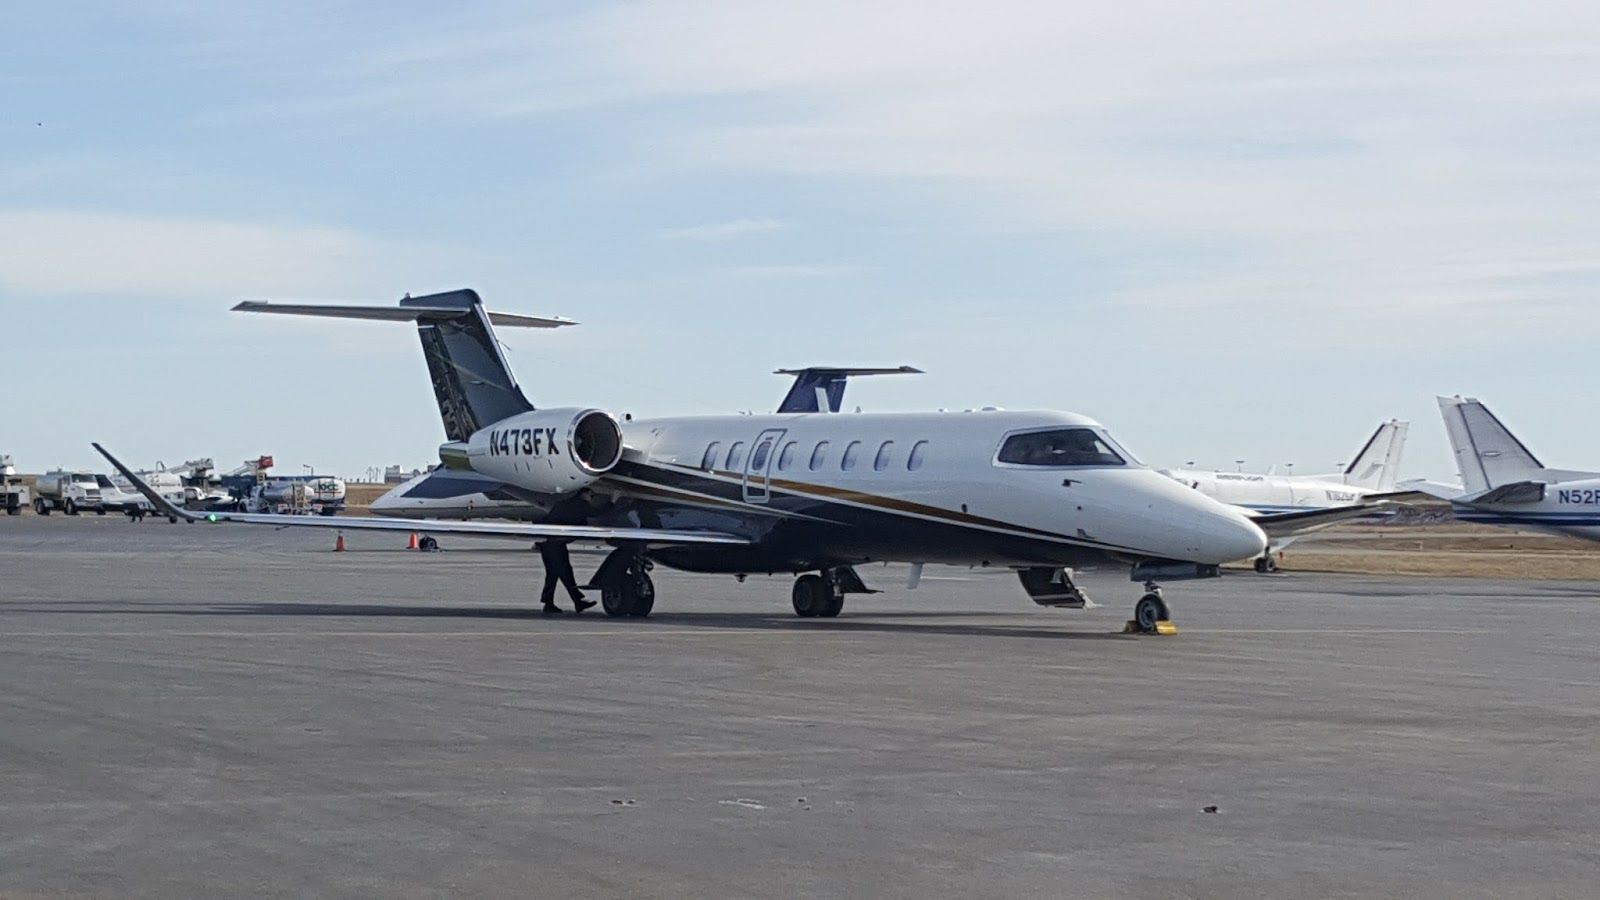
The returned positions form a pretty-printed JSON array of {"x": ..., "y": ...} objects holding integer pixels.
[{"x": 549, "y": 451}]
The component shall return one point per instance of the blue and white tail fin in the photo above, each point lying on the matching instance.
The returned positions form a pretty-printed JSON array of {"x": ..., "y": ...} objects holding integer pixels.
[
  {"x": 1487, "y": 454},
  {"x": 821, "y": 388},
  {"x": 1377, "y": 465},
  {"x": 471, "y": 380}
]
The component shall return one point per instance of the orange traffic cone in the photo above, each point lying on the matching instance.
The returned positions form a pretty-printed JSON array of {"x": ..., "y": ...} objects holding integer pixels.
[
  {"x": 413, "y": 544},
  {"x": 338, "y": 544}
]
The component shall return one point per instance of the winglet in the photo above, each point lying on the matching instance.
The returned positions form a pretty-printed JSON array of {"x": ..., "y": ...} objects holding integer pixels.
[{"x": 149, "y": 492}]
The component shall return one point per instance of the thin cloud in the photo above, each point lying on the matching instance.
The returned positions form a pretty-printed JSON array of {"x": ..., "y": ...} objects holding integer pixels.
[
  {"x": 793, "y": 270},
  {"x": 81, "y": 252},
  {"x": 721, "y": 231},
  {"x": 1333, "y": 153}
]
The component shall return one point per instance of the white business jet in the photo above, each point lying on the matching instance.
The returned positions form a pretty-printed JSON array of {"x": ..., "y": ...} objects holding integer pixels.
[
  {"x": 1288, "y": 506},
  {"x": 815, "y": 495}
]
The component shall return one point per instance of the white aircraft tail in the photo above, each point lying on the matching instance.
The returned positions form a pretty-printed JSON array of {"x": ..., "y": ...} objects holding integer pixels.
[
  {"x": 1488, "y": 455},
  {"x": 1377, "y": 465}
]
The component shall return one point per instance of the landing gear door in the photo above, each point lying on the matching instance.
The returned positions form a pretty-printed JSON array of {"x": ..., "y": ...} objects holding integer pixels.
[{"x": 758, "y": 467}]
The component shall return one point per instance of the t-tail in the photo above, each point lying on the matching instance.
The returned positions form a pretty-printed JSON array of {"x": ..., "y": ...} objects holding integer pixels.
[
  {"x": 471, "y": 380},
  {"x": 1377, "y": 465}
]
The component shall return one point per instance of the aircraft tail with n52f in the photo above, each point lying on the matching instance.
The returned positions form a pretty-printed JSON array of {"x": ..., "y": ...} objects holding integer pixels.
[{"x": 1503, "y": 483}]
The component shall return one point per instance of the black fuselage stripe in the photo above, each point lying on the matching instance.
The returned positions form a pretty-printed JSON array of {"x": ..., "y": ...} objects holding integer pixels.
[{"x": 733, "y": 491}]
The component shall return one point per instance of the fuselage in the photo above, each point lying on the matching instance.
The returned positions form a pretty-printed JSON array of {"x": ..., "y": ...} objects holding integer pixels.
[
  {"x": 1568, "y": 507},
  {"x": 1273, "y": 493},
  {"x": 816, "y": 490}
]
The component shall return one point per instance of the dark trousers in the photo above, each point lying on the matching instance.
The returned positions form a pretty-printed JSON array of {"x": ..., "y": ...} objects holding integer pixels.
[{"x": 557, "y": 569}]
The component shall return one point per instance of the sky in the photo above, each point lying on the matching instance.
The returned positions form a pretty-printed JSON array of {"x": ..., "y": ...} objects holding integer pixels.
[{"x": 1227, "y": 230}]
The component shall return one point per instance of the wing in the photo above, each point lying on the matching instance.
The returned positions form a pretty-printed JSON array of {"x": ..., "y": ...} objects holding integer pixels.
[
  {"x": 1294, "y": 523},
  {"x": 654, "y": 536}
]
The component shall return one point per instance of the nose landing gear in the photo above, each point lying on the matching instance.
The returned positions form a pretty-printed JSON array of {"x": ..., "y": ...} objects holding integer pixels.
[{"x": 1150, "y": 614}]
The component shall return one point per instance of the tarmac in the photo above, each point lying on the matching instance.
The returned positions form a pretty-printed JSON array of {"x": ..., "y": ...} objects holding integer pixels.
[{"x": 203, "y": 710}]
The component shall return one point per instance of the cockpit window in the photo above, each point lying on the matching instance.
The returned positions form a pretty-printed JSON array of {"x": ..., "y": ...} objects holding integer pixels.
[{"x": 1062, "y": 447}]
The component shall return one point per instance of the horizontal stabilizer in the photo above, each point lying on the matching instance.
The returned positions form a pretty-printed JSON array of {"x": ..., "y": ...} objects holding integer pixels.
[
  {"x": 399, "y": 313},
  {"x": 1516, "y": 492}
]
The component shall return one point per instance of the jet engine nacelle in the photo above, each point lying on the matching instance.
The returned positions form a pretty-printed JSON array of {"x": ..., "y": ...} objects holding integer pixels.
[{"x": 550, "y": 451}]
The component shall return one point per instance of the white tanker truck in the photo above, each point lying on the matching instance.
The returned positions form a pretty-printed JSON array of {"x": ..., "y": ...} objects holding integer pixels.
[{"x": 68, "y": 492}]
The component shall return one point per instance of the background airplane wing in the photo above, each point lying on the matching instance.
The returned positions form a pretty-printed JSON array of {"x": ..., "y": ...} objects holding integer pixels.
[
  {"x": 655, "y": 536},
  {"x": 1290, "y": 523}
]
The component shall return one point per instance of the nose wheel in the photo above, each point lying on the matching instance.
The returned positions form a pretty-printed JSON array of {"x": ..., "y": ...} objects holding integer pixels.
[{"x": 1150, "y": 614}]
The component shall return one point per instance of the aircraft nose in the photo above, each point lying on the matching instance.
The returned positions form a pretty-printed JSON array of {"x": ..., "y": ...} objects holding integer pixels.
[{"x": 1230, "y": 537}]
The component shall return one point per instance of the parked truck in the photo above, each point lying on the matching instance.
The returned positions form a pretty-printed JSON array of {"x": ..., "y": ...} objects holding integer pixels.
[
  {"x": 13, "y": 493},
  {"x": 69, "y": 492}
]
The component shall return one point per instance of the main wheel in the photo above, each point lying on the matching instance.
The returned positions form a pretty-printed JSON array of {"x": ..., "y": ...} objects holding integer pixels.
[
  {"x": 810, "y": 596},
  {"x": 631, "y": 593},
  {"x": 644, "y": 598},
  {"x": 428, "y": 544},
  {"x": 832, "y": 605},
  {"x": 1148, "y": 611},
  {"x": 614, "y": 600}
]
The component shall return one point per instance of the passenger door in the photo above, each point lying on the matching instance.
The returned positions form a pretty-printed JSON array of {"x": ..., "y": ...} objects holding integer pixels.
[{"x": 758, "y": 466}]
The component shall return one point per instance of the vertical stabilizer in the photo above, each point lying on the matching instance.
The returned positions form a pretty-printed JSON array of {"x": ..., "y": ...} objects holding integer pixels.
[
  {"x": 1487, "y": 454},
  {"x": 471, "y": 380},
  {"x": 1377, "y": 466}
]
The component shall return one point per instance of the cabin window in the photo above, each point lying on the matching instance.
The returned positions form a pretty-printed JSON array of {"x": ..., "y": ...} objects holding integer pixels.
[
  {"x": 819, "y": 455},
  {"x": 709, "y": 461},
  {"x": 885, "y": 453},
  {"x": 851, "y": 451},
  {"x": 918, "y": 451},
  {"x": 758, "y": 458},
  {"x": 1060, "y": 447},
  {"x": 736, "y": 456},
  {"x": 786, "y": 458}
]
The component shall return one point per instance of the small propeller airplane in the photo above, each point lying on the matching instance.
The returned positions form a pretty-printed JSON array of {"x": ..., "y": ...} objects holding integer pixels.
[
  {"x": 1503, "y": 483},
  {"x": 815, "y": 495}
]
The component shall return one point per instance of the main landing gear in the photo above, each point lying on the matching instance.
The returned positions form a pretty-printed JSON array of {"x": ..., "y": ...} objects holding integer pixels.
[
  {"x": 816, "y": 596},
  {"x": 821, "y": 595},
  {"x": 625, "y": 585},
  {"x": 1267, "y": 562}
]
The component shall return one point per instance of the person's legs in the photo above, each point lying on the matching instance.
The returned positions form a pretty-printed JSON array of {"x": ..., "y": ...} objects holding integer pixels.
[
  {"x": 570, "y": 581},
  {"x": 552, "y": 575}
]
